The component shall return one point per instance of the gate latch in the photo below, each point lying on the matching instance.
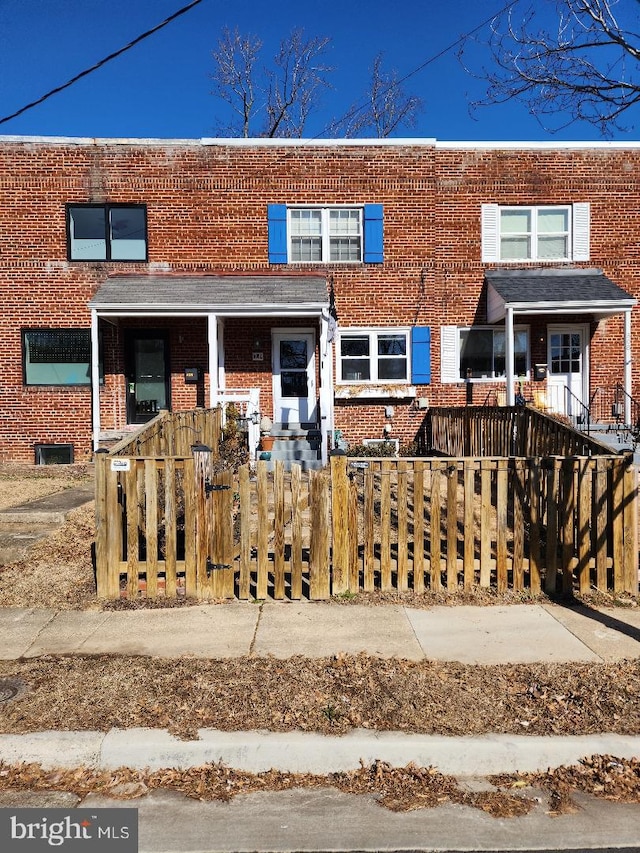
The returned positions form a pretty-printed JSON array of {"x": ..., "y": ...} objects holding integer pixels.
[
  {"x": 214, "y": 487},
  {"x": 216, "y": 567}
]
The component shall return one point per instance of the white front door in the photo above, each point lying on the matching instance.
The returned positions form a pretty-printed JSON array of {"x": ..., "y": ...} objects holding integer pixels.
[
  {"x": 294, "y": 376},
  {"x": 567, "y": 381}
]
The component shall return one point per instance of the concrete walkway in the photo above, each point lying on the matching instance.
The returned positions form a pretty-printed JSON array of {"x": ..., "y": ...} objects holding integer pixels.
[{"x": 548, "y": 633}]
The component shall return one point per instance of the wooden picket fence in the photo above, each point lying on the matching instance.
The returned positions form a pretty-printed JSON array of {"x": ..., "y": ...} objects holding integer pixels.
[{"x": 168, "y": 526}]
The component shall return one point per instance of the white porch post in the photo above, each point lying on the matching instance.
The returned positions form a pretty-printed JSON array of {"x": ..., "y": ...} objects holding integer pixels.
[
  {"x": 509, "y": 357},
  {"x": 212, "y": 324},
  {"x": 627, "y": 366},
  {"x": 326, "y": 387},
  {"x": 95, "y": 379}
]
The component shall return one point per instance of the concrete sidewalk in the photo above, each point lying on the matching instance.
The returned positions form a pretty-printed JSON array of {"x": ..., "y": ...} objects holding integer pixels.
[
  {"x": 548, "y": 633},
  {"x": 325, "y": 819}
]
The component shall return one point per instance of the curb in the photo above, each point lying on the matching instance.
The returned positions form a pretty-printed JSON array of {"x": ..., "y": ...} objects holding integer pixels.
[{"x": 306, "y": 752}]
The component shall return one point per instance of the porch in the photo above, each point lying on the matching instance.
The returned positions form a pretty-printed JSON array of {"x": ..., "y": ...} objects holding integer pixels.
[{"x": 174, "y": 343}]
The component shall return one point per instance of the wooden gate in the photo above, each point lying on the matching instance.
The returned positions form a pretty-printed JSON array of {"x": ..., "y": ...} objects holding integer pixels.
[{"x": 214, "y": 534}]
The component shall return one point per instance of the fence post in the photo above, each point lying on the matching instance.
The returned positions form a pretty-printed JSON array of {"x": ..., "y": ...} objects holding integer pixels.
[
  {"x": 340, "y": 523},
  {"x": 202, "y": 471},
  {"x": 102, "y": 520}
]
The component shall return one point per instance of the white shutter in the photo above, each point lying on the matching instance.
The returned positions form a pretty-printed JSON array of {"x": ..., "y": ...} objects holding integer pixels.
[
  {"x": 490, "y": 233},
  {"x": 581, "y": 231},
  {"x": 449, "y": 364}
]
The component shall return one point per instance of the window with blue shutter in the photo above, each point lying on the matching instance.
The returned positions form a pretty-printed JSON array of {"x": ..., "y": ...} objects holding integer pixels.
[
  {"x": 373, "y": 234},
  {"x": 277, "y": 219},
  {"x": 421, "y": 355}
]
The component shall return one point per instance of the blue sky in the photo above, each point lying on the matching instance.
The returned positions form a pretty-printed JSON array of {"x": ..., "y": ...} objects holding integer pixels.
[{"x": 162, "y": 87}]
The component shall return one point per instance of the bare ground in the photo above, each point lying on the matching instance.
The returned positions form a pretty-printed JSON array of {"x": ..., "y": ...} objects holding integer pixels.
[{"x": 332, "y": 695}]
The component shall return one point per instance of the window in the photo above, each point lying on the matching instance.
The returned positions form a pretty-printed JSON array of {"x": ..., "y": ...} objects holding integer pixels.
[
  {"x": 111, "y": 232},
  {"x": 374, "y": 356},
  {"x": 314, "y": 235},
  {"x": 540, "y": 233},
  {"x": 57, "y": 356},
  {"x": 480, "y": 353}
]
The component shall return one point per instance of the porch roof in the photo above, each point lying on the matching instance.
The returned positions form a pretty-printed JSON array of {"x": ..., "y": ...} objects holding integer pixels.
[
  {"x": 231, "y": 295},
  {"x": 554, "y": 291}
]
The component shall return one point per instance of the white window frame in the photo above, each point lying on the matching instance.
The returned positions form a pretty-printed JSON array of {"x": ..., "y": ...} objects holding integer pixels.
[
  {"x": 451, "y": 353},
  {"x": 534, "y": 233},
  {"x": 325, "y": 233},
  {"x": 577, "y": 235},
  {"x": 373, "y": 334}
]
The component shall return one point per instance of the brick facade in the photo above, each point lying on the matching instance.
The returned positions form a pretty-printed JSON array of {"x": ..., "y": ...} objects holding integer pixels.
[{"x": 207, "y": 213}]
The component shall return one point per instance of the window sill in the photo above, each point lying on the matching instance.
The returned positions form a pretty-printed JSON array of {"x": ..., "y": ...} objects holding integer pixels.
[{"x": 365, "y": 392}]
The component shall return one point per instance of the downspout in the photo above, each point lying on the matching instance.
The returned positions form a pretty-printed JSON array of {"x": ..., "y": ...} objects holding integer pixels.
[
  {"x": 326, "y": 387},
  {"x": 627, "y": 367},
  {"x": 95, "y": 379},
  {"x": 509, "y": 357}
]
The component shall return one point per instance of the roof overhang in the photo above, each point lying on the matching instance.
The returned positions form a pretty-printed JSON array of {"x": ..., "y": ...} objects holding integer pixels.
[
  {"x": 558, "y": 291},
  {"x": 203, "y": 295}
]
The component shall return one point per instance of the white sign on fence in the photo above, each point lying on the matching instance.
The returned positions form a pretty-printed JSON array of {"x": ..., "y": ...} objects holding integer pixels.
[{"x": 120, "y": 464}]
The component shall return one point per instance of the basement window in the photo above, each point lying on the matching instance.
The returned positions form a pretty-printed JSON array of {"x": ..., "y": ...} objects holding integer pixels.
[{"x": 54, "y": 454}]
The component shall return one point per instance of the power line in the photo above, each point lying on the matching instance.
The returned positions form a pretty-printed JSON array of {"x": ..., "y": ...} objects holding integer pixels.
[
  {"x": 356, "y": 109},
  {"x": 102, "y": 62}
]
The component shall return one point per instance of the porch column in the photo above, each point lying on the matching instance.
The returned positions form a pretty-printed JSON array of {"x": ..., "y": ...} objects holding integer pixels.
[
  {"x": 212, "y": 336},
  {"x": 627, "y": 367},
  {"x": 326, "y": 388},
  {"x": 509, "y": 357},
  {"x": 95, "y": 379}
]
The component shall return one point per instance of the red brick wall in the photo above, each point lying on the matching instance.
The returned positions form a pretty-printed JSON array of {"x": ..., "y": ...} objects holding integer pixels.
[{"x": 206, "y": 209}]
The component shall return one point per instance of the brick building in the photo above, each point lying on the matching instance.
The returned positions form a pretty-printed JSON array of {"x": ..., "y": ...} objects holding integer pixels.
[{"x": 138, "y": 275}]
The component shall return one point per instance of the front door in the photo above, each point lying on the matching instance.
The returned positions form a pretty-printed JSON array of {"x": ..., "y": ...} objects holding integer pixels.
[
  {"x": 147, "y": 374},
  {"x": 567, "y": 387},
  {"x": 294, "y": 376}
]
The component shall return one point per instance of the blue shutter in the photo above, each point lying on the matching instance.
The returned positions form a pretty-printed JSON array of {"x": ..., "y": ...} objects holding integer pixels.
[
  {"x": 277, "y": 219},
  {"x": 421, "y": 355},
  {"x": 373, "y": 234}
]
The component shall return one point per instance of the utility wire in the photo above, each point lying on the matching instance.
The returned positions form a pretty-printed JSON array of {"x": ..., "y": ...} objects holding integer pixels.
[
  {"x": 358, "y": 108},
  {"x": 101, "y": 62}
]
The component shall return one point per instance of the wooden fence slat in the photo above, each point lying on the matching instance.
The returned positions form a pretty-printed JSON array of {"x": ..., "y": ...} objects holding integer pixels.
[
  {"x": 551, "y": 551},
  {"x": 402, "y": 526},
  {"x": 535, "y": 564},
  {"x": 435, "y": 539},
  {"x": 385, "y": 525},
  {"x": 340, "y": 525},
  {"x": 486, "y": 467},
  {"x": 244, "y": 496},
  {"x": 452, "y": 525},
  {"x": 617, "y": 473},
  {"x": 151, "y": 525},
  {"x": 601, "y": 512},
  {"x": 369, "y": 530},
  {"x": 278, "y": 529},
  {"x": 418, "y": 526},
  {"x": 469, "y": 522},
  {"x": 263, "y": 530},
  {"x": 630, "y": 527},
  {"x": 296, "y": 532},
  {"x": 354, "y": 566},
  {"x": 170, "y": 527},
  {"x": 319, "y": 558},
  {"x": 133, "y": 528},
  {"x": 568, "y": 522},
  {"x": 102, "y": 522},
  {"x": 502, "y": 496},
  {"x": 519, "y": 492},
  {"x": 583, "y": 568}
]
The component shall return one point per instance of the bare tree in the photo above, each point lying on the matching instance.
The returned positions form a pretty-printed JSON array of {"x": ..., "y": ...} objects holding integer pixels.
[
  {"x": 584, "y": 66},
  {"x": 235, "y": 77},
  {"x": 383, "y": 110},
  {"x": 280, "y": 98}
]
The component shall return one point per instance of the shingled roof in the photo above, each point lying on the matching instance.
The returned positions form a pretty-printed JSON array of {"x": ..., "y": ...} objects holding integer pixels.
[
  {"x": 557, "y": 290},
  {"x": 224, "y": 294}
]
